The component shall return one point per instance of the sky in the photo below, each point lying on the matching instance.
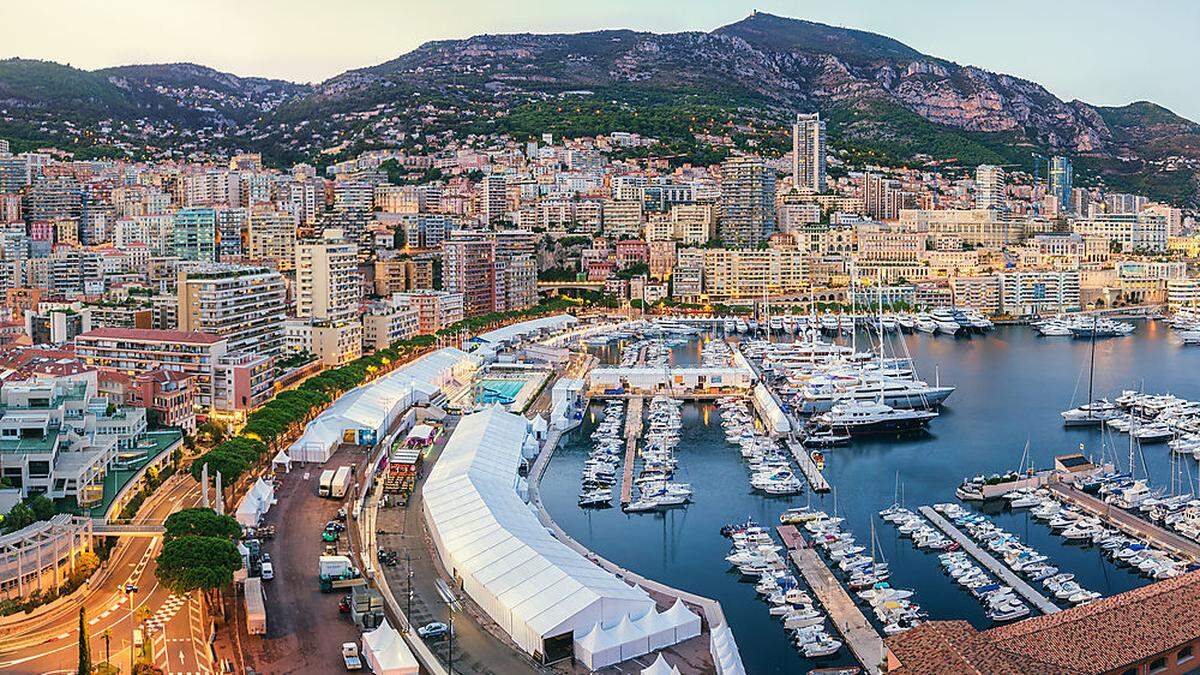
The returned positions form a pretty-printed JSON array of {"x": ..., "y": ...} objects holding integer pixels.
[{"x": 1106, "y": 52}]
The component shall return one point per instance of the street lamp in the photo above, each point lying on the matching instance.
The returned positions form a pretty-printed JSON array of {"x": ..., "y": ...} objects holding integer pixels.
[{"x": 130, "y": 589}]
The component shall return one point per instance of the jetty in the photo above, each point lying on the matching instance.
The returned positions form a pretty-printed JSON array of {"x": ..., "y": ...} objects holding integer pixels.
[
  {"x": 1041, "y": 602},
  {"x": 633, "y": 431},
  {"x": 1127, "y": 522},
  {"x": 815, "y": 480},
  {"x": 857, "y": 632}
]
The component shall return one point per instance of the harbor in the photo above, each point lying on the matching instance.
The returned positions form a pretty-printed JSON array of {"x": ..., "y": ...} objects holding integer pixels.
[{"x": 992, "y": 414}]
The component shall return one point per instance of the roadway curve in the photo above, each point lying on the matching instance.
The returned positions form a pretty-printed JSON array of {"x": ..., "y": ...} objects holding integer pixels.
[{"x": 47, "y": 642}]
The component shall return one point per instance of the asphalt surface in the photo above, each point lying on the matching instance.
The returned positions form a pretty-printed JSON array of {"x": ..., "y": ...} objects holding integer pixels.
[
  {"x": 304, "y": 629},
  {"x": 402, "y": 529},
  {"x": 48, "y": 641}
]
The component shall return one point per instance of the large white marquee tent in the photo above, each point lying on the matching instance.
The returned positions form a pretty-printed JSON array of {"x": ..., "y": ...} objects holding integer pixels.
[
  {"x": 374, "y": 407},
  {"x": 540, "y": 591}
]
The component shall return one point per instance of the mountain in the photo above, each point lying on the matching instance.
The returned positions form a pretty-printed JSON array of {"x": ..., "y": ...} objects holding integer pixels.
[{"x": 740, "y": 84}]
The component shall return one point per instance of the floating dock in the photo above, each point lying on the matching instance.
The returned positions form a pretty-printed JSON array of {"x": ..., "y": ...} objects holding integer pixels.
[
  {"x": 856, "y": 631},
  {"x": 815, "y": 480},
  {"x": 1126, "y": 521},
  {"x": 1041, "y": 602},
  {"x": 633, "y": 431},
  {"x": 791, "y": 536}
]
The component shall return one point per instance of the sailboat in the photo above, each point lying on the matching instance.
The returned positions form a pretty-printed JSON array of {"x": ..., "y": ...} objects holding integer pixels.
[{"x": 1093, "y": 412}]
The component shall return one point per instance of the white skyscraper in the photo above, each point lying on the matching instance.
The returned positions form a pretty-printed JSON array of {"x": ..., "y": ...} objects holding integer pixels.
[
  {"x": 808, "y": 152},
  {"x": 989, "y": 187}
]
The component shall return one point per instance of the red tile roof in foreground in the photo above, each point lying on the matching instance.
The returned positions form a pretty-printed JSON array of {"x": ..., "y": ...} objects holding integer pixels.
[
  {"x": 155, "y": 335},
  {"x": 1106, "y": 635}
]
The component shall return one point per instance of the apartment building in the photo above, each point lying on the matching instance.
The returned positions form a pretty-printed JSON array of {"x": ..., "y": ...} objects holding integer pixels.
[
  {"x": 222, "y": 380},
  {"x": 1142, "y": 232},
  {"x": 271, "y": 238},
  {"x": 329, "y": 294},
  {"x": 1035, "y": 292},
  {"x": 386, "y": 322},
  {"x": 244, "y": 304},
  {"x": 808, "y": 153},
  {"x": 435, "y": 309},
  {"x": 194, "y": 235},
  {"x": 747, "y": 202}
]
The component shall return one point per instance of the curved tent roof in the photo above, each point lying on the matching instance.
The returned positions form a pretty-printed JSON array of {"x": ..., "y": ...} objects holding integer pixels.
[{"x": 531, "y": 584}]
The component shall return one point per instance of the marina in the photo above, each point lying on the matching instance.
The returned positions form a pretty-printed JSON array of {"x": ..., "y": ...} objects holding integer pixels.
[
  {"x": 1127, "y": 522},
  {"x": 816, "y": 480},
  {"x": 994, "y": 415},
  {"x": 1041, "y": 602}
]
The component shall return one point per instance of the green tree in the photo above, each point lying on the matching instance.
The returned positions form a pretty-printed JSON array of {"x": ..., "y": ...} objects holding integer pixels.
[
  {"x": 85, "y": 647},
  {"x": 200, "y": 522},
  {"x": 191, "y": 563}
]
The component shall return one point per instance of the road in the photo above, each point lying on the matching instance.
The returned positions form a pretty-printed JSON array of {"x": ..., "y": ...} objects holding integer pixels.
[
  {"x": 304, "y": 629},
  {"x": 402, "y": 529},
  {"x": 48, "y": 642}
]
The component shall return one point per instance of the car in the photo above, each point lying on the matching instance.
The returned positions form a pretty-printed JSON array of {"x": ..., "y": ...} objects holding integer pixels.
[
  {"x": 268, "y": 571},
  {"x": 266, "y": 557},
  {"x": 344, "y": 605},
  {"x": 432, "y": 630}
]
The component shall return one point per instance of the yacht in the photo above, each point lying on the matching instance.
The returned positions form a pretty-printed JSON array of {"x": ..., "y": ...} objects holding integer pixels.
[
  {"x": 821, "y": 393},
  {"x": 946, "y": 323},
  {"x": 1088, "y": 414},
  {"x": 870, "y": 417},
  {"x": 925, "y": 324}
]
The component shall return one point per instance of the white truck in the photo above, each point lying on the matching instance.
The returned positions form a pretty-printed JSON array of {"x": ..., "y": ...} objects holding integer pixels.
[
  {"x": 337, "y": 572},
  {"x": 325, "y": 484},
  {"x": 350, "y": 656},
  {"x": 256, "y": 608},
  {"x": 341, "y": 482}
]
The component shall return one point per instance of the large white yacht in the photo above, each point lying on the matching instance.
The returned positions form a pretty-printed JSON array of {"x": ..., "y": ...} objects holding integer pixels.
[{"x": 871, "y": 417}]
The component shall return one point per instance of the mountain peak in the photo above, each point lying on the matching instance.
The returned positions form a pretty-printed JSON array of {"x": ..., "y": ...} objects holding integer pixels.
[{"x": 798, "y": 35}]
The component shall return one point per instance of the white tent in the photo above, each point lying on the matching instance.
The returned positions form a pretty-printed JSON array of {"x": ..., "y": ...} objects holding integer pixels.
[
  {"x": 422, "y": 433},
  {"x": 531, "y": 584},
  {"x": 540, "y": 427},
  {"x": 683, "y": 621},
  {"x": 725, "y": 652},
  {"x": 660, "y": 667},
  {"x": 659, "y": 630},
  {"x": 632, "y": 640},
  {"x": 282, "y": 460},
  {"x": 256, "y": 503},
  {"x": 597, "y": 649},
  {"x": 386, "y": 653}
]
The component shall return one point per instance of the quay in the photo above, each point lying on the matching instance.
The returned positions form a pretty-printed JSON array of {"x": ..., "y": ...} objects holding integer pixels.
[
  {"x": 857, "y": 632},
  {"x": 815, "y": 480},
  {"x": 633, "y": 431},
  {"x": 1126, "y": 521},
  {"x": 705, "y": 395},
  {"x": 1041, "y": 602}
]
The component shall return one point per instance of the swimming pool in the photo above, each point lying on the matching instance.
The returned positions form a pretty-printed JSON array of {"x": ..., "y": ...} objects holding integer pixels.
[{"x": 498, "y": 391}]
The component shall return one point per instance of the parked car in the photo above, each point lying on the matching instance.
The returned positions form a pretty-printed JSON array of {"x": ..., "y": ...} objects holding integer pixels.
[
  {"x": 268, "y": 571},
  {"x": 432, "y": 630}
]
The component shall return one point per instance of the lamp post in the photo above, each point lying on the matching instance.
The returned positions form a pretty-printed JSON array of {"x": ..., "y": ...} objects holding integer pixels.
[{"x": 130, "y": 590}]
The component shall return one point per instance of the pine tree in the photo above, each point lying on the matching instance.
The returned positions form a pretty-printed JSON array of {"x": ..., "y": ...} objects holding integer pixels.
[{"x": 85, "y": 648}]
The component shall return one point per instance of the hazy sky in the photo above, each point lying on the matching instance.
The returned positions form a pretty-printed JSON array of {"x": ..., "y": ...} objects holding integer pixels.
[{"x": 1107, "y": 52}]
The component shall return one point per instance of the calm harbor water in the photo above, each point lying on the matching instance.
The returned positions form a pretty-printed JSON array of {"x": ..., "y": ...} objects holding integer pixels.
[{"x": 1011, "y": 386}]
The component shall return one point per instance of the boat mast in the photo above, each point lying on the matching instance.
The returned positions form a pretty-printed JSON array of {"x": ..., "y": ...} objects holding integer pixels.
[{"x": 1092, "y": 375}]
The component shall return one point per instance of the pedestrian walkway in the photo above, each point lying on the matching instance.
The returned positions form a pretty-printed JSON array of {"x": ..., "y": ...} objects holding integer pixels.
[
  {"x": 858, "y": 633},
  {"x": 633, "y": 431},
  {"x": 1127, "y": 522},
  {"x": 1044, "y": 605}
]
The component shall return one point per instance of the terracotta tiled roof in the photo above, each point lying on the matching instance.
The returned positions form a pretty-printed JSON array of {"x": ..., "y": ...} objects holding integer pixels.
[
  {"x": 1113, "y": 632},
  {"x": 956, "y": 648},
  {"x": 1107, "y": 635}
]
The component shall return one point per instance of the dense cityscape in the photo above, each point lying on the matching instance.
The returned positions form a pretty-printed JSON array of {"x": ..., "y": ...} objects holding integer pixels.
[{"x": 421, "y": 400}]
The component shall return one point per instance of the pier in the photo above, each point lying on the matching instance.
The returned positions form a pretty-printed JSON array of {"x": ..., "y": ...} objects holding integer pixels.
[
  {"x": 856, "y": 631},
  {"x": 633, "y": 431},
  {"x": 815, "y": 480},
  {"x": 1041, "y": 602},
  {"x": 1126, "y": 521}
]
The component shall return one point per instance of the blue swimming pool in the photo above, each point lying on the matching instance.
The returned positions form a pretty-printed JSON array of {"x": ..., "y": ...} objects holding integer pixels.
[{"x": 498, "y": 391}]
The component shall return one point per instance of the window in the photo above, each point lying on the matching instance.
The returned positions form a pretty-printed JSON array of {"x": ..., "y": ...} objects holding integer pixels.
[
  {"x": 1184, "y": 655},
  {"x": 1158, "y": 665}
]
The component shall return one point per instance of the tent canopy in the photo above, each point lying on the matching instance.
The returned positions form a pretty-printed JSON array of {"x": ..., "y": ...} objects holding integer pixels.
[
  {"x": 386, "y": 652},
  {"x": 531, "y": 584}
]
